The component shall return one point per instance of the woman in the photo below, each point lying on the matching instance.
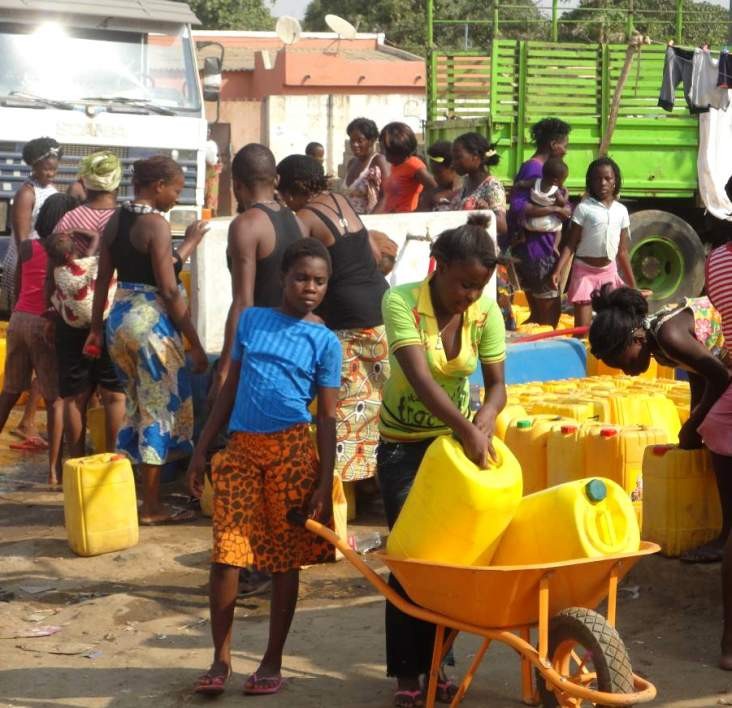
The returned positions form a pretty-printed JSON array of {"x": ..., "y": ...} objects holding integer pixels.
[
  {"x": 687, "y": 335},
  {"x": 449, "y": 183},
  {"x": 351, "y": 308},
  {"x": 408, "y": 175},
  {"x": 536, "y": 252},
  {"x": 367, "y": 169},
  {"x": 472, "y": 158},
  {"x": 144, "y": 330},
  {"x": 42, "y": 155},
  {"x": 438, "y": 330},
  {"x": 79, "y": 376}
]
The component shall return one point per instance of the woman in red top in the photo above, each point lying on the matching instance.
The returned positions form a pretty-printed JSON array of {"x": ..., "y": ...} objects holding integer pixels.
[
  {"x": 408, "y": 176},
  {"x": 30, "y": 335}
]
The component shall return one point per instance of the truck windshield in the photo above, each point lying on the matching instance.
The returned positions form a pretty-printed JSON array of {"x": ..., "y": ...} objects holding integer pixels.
[{"x": 58, "y": 62}]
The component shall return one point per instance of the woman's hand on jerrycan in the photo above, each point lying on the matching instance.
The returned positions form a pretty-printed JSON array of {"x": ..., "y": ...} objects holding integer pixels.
[{"x": 475, "y": 444}]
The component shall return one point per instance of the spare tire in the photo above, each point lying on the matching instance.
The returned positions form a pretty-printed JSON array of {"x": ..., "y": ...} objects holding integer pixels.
[{"x": 667, "y": 256}]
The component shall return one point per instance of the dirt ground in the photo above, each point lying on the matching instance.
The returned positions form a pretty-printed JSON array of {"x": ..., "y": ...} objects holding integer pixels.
[{"x": 134, "y": 628}]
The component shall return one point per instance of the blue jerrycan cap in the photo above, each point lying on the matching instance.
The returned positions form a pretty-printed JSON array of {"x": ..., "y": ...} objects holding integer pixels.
[{"x": 596, "y": 490}]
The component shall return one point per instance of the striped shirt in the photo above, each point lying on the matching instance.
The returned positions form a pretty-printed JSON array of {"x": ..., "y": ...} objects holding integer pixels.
[
  {"x": 284, "y": 360},
  {"x": 719, "y": 285},
  {"x": 84, "y": 217}
]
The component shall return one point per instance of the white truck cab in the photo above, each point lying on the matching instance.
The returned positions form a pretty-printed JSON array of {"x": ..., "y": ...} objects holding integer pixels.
[{"x": 113, "y": 74}]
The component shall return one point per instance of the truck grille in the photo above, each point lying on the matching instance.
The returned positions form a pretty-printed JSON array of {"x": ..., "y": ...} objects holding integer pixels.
[{"x": 13, "y": 171}]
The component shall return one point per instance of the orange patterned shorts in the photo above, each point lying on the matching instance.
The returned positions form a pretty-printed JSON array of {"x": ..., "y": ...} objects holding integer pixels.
[{"x": 257, "y": 479}]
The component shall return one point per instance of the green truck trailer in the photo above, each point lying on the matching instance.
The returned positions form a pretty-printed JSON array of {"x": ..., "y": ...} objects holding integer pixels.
[{"x": 503, "y": 87}]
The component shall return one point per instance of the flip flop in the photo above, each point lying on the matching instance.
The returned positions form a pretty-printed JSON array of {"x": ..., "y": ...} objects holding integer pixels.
[
  {"x": 178, "y": 516},
  {"x": 415, "y": 698},
  {"x": 251, "y": 687},
  {"x": 446, "y": 691},
  {"x": 32, "y": 444},
  {"x": 210, "y": 684}
]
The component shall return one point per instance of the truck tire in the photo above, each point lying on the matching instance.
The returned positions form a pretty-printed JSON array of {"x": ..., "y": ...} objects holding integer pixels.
[
  {"x": 667, "y": 256},
  {"x": 578, "y": 633}
]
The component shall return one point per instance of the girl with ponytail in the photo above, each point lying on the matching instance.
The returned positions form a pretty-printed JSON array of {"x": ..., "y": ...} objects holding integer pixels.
[
  {"x": 472, "y": 157},
  {"x": 687, "y": 335}
]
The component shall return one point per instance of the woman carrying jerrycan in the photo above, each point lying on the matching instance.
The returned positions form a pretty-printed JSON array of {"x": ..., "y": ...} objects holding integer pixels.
[{"x": 438, "y": 330}]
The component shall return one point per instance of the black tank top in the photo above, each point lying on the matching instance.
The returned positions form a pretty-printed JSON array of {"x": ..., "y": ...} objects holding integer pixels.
[
  {"x": 132, "y": 265},
  {"x": 355, "y": 289},
  {"x": 267, "y": 282}
]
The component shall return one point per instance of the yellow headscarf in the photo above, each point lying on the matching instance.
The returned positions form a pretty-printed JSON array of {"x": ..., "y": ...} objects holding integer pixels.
[{"x": 101, "y": 171}]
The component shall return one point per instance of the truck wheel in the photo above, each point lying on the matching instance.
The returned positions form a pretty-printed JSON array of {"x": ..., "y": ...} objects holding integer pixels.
[
  {"x": 667, "y": 256},
  {"x": 586, "y": 650}
]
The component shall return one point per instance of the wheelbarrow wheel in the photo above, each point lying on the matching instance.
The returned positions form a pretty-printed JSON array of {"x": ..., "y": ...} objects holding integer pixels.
[{"x": 585, "y": 649}]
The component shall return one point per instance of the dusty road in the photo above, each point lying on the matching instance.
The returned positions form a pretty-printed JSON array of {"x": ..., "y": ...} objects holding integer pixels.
[{"x": 134, "y": 629}]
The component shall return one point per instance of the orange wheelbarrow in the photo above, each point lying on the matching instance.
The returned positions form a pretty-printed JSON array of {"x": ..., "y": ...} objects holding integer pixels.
[{"x": 579, "y": 658}]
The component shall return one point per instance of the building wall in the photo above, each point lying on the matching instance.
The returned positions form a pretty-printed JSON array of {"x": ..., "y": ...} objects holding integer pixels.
[
  {"x": 245, "y": 118},
  {"x": 291, "y": 122}
]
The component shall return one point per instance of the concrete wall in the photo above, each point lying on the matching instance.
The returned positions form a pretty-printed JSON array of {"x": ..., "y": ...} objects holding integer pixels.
[
  {"x": 291, "y": 122},
  {"x": 245, "y": 118},
  {"x": 211, "y": 283}
]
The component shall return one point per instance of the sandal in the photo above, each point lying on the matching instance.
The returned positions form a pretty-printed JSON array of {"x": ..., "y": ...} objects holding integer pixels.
[
  {"x": 211, "y": 684},
  {"x": 408, "y": 699},
  {"x": 176, "y": 516},
  {"x": 262, "y": 685},
  {"x": 446, "y": 691},
  {"x": 32, "y": 444}
]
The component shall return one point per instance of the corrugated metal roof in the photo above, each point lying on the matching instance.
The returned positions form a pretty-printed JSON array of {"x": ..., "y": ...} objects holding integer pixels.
[
  {"x": 242, "y": 58},
  {"x": 170, "y": 11}
]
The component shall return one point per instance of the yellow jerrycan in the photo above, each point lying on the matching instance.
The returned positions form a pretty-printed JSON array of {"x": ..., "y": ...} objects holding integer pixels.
[
  {"x": 565, "y": 452},
  {"x": 568, "y": 407},
  {"x": 587, "y": 518},
  {"x": 527, "y": 439},
  {"x": 616, "y": 452},
  {"x": 680, "y": 499},
  {"x": 96, "y": 424},
  {"x": 100, "y": 506},
  {"x": 509, "y": 413},
  {"x": 456, "y": 512}
]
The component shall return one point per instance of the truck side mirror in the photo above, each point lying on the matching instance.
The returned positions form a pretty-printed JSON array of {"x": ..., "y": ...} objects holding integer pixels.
[{"x": 211, "y": 78}]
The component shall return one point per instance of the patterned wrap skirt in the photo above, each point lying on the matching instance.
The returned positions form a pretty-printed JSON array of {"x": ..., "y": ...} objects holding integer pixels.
[
  {"x": 256, "y": 480},
  {"x": 364, "y": 373},
  {"x": 147, "y": 352}
]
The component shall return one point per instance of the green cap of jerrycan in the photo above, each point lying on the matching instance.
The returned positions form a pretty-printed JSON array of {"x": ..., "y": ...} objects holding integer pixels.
[
  {"x": 596, "y": 490},
  {"x": 523, "y": 424}
]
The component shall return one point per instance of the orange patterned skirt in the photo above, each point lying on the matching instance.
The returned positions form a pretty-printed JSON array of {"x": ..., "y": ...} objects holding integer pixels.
[{"x": 257, "y": 479}]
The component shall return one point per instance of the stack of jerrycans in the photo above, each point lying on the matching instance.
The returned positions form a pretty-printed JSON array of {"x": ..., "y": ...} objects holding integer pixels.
[{"x": 681, "y": 500}]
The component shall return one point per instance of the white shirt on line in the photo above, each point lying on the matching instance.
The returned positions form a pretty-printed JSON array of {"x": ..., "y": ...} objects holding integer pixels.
[{"x": 601, "y": 227}]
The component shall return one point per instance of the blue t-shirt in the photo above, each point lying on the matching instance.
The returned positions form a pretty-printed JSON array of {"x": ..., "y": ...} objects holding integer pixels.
[{"x": 284, "y": 360}]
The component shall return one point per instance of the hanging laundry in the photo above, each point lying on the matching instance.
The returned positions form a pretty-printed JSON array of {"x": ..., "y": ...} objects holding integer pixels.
[
  {"x": 704, "y": 89},
  {"x": 713, "y": 165},
  {"x": 724, "y": 78},
  {"x": 677, "y": 69}
]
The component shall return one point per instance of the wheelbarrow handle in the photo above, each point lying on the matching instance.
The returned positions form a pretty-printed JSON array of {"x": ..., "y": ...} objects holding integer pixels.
[{"x": 298, "y": 518}]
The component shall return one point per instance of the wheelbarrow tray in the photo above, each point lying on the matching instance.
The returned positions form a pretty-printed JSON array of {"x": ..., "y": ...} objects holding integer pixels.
[{"x": 501, "y": 597}]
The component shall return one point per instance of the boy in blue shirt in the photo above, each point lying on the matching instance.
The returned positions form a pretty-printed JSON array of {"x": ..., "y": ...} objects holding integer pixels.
[{"x": 281, "y": 359}]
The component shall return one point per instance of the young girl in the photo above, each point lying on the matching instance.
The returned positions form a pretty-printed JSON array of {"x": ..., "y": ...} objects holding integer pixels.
[
  {"x": 686, "y": 335},
  {"x": 408, "y": 176},
  {"x": 439, "y": 331},
  {"x": 449, "y": 183},
  {"x": 472, "y": 157},
  {"x": 281, "y": 359},
  {"x": 599, "y": 240}
]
